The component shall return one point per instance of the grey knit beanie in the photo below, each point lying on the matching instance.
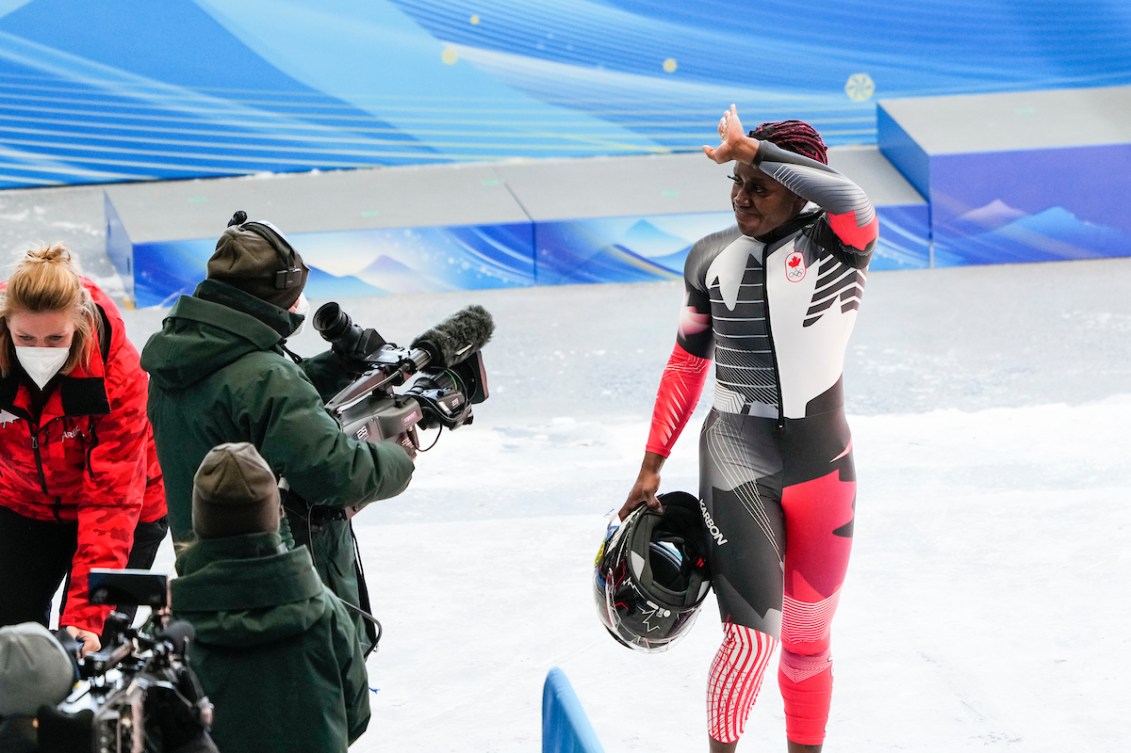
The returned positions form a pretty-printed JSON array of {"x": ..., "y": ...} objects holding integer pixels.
[{"x": 35, "y": 670}]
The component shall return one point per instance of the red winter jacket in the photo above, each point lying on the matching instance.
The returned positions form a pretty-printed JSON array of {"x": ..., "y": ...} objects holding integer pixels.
[{"x": 87, "y": 455}]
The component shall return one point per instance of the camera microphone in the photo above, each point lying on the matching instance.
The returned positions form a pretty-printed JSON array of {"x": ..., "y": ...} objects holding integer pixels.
[
  {"x": 457, "y": 337},
  {"x": 178, "y": 634}
]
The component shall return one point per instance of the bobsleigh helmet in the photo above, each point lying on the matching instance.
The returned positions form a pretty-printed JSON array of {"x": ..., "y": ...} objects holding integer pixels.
[{"x": 651, "y": 573}]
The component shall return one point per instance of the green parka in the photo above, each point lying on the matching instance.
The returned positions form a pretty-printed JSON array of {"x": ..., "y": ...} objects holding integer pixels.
[
  {"x": 274, "y": 650},
  {"x": 218, "y": 374}
]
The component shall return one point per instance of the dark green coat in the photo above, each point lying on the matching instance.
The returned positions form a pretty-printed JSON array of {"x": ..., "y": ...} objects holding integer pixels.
[
  {"x": 274, "y": 649},
  {"x": 218, "y": 374}
]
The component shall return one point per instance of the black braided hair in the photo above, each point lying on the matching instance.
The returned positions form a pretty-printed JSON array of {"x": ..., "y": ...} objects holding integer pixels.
[{"x": 795, "y": 136}]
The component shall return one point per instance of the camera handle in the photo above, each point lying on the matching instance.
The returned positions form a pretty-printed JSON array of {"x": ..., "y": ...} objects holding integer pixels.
[{"x": 379, "y": 378}]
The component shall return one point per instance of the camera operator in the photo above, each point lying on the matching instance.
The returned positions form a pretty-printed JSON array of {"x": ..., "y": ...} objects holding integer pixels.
[
  {"x": 274, "y": 649},
  {"x": 220, "y": 372},
  {"x": 50, "y": 703}
]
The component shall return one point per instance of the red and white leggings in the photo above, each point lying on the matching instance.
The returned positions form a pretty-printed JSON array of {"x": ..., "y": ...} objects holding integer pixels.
[
  {"x": 804, "y": 676},
  {"x": 779, "y": 557},
  {"x": 778, "y": 498}
]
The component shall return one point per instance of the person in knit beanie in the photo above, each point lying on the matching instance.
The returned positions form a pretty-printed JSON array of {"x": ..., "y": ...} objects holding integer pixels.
[
  {"x": 222, "y": 370},
  {"x": 263, "y": 620}
]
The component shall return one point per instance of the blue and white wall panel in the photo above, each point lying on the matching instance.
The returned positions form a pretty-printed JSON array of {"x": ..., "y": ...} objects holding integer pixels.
[
  {"x": 128, "y": 90},
  {"x": 1020, "y": 177}
]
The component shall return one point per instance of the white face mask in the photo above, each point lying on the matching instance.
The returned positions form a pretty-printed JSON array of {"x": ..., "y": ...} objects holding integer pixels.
[
  {"x": 42, "y": 363},
  {"x": 302, "y": 308}
]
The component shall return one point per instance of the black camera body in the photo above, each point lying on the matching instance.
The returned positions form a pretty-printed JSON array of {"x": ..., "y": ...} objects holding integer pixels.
[
  {"x": 442, "y": 374},
  {"x": 137, "y": 691}
]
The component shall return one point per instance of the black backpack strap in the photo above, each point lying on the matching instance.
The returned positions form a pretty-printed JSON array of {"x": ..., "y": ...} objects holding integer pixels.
[{"x": 107, "y": 333}]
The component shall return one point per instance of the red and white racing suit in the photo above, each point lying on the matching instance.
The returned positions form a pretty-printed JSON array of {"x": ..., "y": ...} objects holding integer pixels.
[{"x": 777, "y": 480}]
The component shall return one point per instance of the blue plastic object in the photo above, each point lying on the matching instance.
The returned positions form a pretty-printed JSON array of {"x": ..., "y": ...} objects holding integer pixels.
[{"x": 565, "y": 727}]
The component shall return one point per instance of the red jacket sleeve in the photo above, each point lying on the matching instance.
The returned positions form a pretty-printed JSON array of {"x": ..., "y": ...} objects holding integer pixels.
[
  {"x": 114, "y": 481},
  {"x": 680, "y": 387}
]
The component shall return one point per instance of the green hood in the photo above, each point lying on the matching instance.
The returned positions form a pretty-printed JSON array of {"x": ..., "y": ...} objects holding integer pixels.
[
  {"x": 247, "y": 591},
  {"x": 210, "y": 329}
]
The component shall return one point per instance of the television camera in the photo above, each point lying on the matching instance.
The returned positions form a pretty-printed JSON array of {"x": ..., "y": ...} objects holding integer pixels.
[
  {"x": 442, "y": 368},
  {"x": 137, "y": 693}
]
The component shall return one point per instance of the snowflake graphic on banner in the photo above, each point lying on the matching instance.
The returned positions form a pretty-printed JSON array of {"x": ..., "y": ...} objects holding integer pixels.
[{"x": 860, "y": 87}]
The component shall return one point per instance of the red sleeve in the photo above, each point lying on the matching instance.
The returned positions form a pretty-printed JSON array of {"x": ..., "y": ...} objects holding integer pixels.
[
  {"x": 153, "y": 504},
  {"x": 114, "y": 482},
  {"x": 851, "y": 233},
  {"x": 680, "y": 387}
]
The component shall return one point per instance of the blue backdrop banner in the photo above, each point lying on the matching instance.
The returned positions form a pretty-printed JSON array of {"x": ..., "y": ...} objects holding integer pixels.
[{"x": 135, "y": 90}]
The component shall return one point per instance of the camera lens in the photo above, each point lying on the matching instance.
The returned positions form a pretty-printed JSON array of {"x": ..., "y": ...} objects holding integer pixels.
[{"x": 331, "y": 322}]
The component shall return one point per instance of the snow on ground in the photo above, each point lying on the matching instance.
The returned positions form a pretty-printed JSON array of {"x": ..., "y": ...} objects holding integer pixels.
[{"x": 986, "y": 602}]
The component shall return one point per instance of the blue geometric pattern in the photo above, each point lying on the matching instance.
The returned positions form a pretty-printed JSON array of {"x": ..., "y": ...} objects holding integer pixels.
[
  {"x": 137, "y": 90},
  {"x": 476, "y": 257}
]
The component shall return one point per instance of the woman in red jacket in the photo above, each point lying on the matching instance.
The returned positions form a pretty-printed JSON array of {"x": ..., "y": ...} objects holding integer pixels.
[{"x": 77, "y": 472}]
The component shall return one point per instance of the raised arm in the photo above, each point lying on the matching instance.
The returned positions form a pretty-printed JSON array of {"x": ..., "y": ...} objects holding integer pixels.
[{"x": 851, "y": 216}]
